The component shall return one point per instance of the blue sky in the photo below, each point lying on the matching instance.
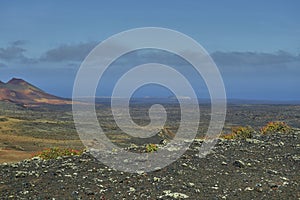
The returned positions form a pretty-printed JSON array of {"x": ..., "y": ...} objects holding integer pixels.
[{"x": 255, "y": 44}]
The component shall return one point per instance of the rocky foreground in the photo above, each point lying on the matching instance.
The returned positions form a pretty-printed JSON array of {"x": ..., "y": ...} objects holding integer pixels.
[{"x": 264, "y": 167}]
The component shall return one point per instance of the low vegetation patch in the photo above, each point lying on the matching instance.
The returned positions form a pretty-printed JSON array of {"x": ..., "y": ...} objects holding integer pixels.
[
  {"x": 55, "y": 152},
  {"x": 276, "y": 127},
  {"x": 240, "y": 132},
  {"x": 3, "y": 119},
  {"x": 151, "y": 148}
]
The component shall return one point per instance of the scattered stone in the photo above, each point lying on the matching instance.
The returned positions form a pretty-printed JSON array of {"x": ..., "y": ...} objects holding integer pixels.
[
  {"x": 131, "y": 189},
  {"x": 273, "y": 185},
  {"x": 270, "y": 171},
  {"x": 224, "y": 163},
  {"x": 239, "y": 163},
  {"x": 184, "y": 164},
  {"x": 89, "y": 192},
  {"x": 156, "y": 179},
  {"x": 197, "y": 190},
  {"x": 163, "y": 142},
  {"x": 254, "y": 141},
  {"x": 296, "y": 157},
  {"x": 36, "y": 158},
  {"x": 285, "y": 183},
  {"x": 281, "y": 143},
  {"x": 175, "y": 195},
  {"x": 215, "y": 187},
  {"x": 248, "y": 189},
  {"x": 211, "y": 177},
  {"x": 191, "y": 184},
  {"x": 14, "y": 166},
  {"x": 24, "y": 192},
  {"x": 20, "y": 174},
  {"x": 75, "y": 193},
  {"x": 284, "y": 178},
  {"x": 258, "y": 185},
  {"x": 140, "y": 172}
]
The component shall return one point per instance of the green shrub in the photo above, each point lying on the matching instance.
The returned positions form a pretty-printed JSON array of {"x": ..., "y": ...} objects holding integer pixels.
[
  {"x": 55, "y": 152},
  {"x": 229, "y": 136},
  {"x": 3, "y": 119},
  {"x": 276, "y": 127},
  {"x": 240, "y": 132},
  {"x": 151, "y": 148}
]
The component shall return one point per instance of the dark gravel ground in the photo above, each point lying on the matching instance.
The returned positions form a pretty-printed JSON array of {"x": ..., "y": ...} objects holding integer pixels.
[{"x": 265, "y": 167}]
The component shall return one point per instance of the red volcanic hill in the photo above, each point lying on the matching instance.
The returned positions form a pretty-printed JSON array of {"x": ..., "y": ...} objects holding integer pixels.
[{"x": 21, "y": 92}]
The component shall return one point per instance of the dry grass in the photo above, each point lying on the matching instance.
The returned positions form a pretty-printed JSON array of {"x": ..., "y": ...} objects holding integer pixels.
[
  {"x": 16, "y": 148},
  {"x": 11, "y": 156}
]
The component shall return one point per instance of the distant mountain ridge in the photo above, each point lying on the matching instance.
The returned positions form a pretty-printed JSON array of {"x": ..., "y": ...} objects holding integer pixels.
[{"x": 21, "y": 92}]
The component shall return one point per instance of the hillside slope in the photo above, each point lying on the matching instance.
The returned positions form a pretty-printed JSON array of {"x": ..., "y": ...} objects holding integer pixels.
[{"x": 23, "y": 93}]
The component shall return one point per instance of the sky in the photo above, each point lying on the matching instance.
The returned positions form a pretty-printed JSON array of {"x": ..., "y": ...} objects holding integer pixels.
[{"x": 255, "y": 44}]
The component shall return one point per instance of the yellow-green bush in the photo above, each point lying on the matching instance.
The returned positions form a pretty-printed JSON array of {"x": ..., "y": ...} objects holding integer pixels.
[
  {"x": 55, "y": 152},
  {"x": 151, "y": 148},
  {"x": 276, "y": 127},
  {"x": 240, "y": 132}
]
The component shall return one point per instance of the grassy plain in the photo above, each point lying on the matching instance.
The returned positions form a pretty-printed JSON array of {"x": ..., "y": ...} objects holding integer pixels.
[{"x": 24, "y": 131}]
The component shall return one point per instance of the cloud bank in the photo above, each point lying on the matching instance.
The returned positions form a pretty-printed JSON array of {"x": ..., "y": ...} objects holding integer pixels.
[
  {"x": 2, "y": 65},
  {"x": 72, "y": 54},
  {"x": 253, "y": 58},
  {"x": 67, "y": 52},
  {"x": 246, "y": 74},
  {"x": 15, "y": 53}
]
